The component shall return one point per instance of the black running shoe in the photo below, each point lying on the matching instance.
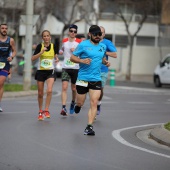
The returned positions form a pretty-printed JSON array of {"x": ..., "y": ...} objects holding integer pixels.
[
  {"x": 77, "y": 109},
  {"x": 89, "y": 131}
]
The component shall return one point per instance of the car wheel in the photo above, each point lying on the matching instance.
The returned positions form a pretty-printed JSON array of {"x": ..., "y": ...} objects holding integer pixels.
[{"x": 157, "y": 81}]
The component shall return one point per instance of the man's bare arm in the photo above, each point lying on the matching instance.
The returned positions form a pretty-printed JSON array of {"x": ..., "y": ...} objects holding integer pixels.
[
  {"x": 112, "y": 54},
  {"x": 76, "y": 59},
  {"x": 14, "y": 52}
]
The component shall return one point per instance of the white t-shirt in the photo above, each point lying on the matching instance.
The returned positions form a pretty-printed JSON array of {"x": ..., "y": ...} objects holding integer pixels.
[{"x": 66, "y": 46}]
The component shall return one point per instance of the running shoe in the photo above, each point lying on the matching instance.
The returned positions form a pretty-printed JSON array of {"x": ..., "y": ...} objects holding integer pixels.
[
  {"x": 46, "y": 114},
  {"x": 77, "y": 109},
  {"x": 1, "y": 109},
  {"x": 40, "y": 116},
  {"x": 89, "y": 131},
  {"x": 72, "y": 108},
  {"x": 98, "y": 109},
  {"x": 64, "y": 112}
]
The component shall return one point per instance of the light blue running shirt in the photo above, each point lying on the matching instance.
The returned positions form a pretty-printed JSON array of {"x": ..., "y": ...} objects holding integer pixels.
[
  {"x": 110, "y": 48},
  {"x": 96, "y": 53}
]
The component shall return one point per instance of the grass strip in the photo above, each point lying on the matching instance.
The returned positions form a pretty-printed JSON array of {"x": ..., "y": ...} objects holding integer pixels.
[{"x": 17, "y": 87}]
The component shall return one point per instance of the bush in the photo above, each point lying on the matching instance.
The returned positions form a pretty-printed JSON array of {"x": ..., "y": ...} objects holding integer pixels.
[{"x": 167, "y": 126}]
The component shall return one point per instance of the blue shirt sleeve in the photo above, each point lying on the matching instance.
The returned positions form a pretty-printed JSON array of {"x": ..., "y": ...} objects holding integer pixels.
[
  {"x": 78, "y": 50},
  {"x": 111, "y": 47}
]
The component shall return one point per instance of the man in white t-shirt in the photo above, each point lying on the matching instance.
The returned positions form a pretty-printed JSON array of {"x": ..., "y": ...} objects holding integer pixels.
[{"x": 69, "y": 69}]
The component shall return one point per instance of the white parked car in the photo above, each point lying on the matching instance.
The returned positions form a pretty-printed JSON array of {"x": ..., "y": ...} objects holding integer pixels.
[{"x": 162, "y": 72}]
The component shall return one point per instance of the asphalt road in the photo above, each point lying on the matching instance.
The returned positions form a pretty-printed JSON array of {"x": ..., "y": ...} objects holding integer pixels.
[{"x": 59, "y": 144}]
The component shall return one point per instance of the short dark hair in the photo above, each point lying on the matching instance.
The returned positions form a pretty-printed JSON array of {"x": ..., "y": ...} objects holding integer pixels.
[{"x": 3, "y": 24}]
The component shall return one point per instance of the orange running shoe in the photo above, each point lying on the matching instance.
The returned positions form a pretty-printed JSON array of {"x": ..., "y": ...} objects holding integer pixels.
[
  {"x": 40, "y": 116},
  {"x": 46, "y": 114}
]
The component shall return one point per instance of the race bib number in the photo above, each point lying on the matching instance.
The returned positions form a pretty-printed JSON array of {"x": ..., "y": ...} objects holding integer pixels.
[
  {"x": 82, "y": 83},
  {"x": 2, "y": 65},
  {"x": 70, "y": 63},
  {"x": 46, "y": 63}
]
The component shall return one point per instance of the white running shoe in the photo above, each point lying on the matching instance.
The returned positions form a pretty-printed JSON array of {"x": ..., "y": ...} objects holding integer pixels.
[{"x": 1, "y": 109}]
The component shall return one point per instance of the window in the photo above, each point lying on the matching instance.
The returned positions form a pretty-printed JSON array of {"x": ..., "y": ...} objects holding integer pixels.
[
  {"x": 108, "y": 36},
  {"x": 163, "y": 42},
  {"x": 121, "y": 41},
  {"x": 166, "y": 62},
  {"x": 145, "y": 41}
]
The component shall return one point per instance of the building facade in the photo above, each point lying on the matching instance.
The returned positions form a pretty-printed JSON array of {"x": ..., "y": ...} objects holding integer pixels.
[{"x": 150, "y": 45}]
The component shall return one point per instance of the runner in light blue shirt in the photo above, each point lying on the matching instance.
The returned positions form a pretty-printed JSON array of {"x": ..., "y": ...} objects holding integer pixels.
[
  {"x": 90, "y": 56},
  {"x": 95, "y": 53}
]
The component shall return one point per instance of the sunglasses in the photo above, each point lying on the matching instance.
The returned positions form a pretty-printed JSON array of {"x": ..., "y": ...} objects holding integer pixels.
[
  {"x": 75, "y": 32},
  {"x": 97, "y": 34}
]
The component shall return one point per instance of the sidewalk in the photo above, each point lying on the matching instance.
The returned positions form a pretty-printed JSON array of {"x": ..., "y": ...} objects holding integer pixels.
[
  {"x": 161, "y": 135},
  {"x": 135, "y": 78},
  {"x": 20, "y": 94}
]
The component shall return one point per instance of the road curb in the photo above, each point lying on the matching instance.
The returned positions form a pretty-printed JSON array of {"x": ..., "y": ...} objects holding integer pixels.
[
  {"x": 161, "y": 135},
  {"x": 20, "y": 94}
]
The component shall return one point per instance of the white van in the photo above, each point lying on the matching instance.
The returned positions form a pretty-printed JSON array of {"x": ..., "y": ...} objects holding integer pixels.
[{"x": 162, "y": 72}]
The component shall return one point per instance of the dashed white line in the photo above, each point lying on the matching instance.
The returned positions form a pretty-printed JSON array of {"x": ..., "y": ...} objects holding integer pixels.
[
  {"x": 141, "y": 89},
  {"x": 107, "y": 98},
  {"x": 140, "y": 102},
  {"x": 15, "y": 112},
  {"x": 117, "y": 136}
]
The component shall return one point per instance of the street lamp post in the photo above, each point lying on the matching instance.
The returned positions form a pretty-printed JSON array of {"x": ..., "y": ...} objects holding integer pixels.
[{"x": 28, "y": 45}]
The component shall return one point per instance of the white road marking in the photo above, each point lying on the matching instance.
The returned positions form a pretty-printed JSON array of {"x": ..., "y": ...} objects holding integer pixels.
[
  {"x": 117, "y": 136},
  {"x": 107, "y": 98},
  {"x": 15, "y": 112},
  {"x": 141, "y": 89},
  {"x": 140, "y": 102},
  {"x": 58, "y": 93},
  {"x": 110, "y": 102}
]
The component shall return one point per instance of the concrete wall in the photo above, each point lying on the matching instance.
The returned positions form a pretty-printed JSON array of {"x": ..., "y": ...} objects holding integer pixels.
[
  {"x": 118, "y": 27},
  {"x": 144, "y": 60}
]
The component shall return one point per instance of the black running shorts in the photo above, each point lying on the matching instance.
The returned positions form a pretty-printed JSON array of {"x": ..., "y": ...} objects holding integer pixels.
[
  {"x": 94, "y": 85},
  {"x": 43, "y": 75}
]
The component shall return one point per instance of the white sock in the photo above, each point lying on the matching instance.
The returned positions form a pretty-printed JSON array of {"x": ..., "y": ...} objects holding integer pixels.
[{"x": 99, "y": 103}]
